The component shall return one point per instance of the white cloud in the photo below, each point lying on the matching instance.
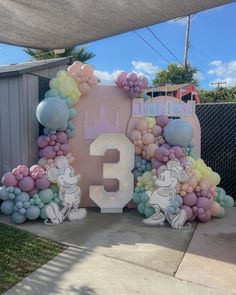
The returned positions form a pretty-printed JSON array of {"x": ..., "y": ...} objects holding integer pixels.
[
  {"x": 145, "y": 67},
  {"x": 180, "y": 21},
  {"x": 223, "y": 72},
  {"x": 106, "y": 77},
  {"x": 198, "y": 76}
]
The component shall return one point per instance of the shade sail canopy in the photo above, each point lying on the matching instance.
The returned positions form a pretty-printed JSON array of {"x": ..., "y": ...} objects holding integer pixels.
[{"x": 65, "y": 23}]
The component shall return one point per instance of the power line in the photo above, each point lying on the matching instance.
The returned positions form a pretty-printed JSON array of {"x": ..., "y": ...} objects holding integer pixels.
[
  {"x": 164, "y": 45},
  {"x": 202, "y": 53},
  {"x": 152, "y": 47}
]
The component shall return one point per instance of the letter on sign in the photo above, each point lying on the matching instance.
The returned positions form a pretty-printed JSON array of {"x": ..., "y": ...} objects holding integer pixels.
[{"x": 113, "y": 202}]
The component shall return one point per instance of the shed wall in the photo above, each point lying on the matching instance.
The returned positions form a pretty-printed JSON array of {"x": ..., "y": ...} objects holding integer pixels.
[{"x": 19, "y": 127}]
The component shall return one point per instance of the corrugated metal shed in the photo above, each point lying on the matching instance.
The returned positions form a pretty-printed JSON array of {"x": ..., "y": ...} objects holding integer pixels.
[{"x": 19, "y": 96}]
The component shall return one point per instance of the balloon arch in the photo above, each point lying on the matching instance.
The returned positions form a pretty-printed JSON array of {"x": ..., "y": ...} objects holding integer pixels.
[{"x": 26, "y": 191}]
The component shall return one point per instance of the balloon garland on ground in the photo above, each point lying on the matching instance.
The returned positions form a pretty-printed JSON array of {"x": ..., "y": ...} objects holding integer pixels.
[
  {"x": 26, "y": 191},
  {"x": 164, "y": 141}
]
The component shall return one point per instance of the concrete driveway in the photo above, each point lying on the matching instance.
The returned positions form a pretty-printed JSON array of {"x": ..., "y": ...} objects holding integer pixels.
[{"x": 117, "y": 254}]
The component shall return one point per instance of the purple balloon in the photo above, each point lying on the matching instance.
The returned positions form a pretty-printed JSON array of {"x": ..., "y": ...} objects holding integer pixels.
[
  {"x": 126, "y": 88},
  {"x": 132, "y": 93},
  {"x": 144, "y": 80},
  {"x": 49, "y": 153},
  {"x": 132, "y": 77},
  {"x": 121, "y": 78}
]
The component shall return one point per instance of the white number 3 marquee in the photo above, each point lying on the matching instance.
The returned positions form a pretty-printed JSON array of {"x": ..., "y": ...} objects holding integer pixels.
[{"x": 113, "y": 202}]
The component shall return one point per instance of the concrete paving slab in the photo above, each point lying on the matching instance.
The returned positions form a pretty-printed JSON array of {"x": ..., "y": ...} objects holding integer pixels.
[
  {"x": 122, "y": 236},
  {"x": 76, "y": 272},
  {"x": 211, "y": 256}
]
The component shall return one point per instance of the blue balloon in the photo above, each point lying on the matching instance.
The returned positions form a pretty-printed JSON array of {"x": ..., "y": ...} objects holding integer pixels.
[
  {"x": 53, "y": 113},
  {"x": 3, "y": 193},
  {"x": 7, "y": 207},
  {"x": 22, "y": 197},
  {"x": 18, "y": 218},
  {"x": 32, "y": 212},
  {"x": 178, "y": 132}
]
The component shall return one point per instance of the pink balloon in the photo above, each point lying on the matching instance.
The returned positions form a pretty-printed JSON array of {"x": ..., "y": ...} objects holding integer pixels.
[
  {"x": 120, "y": 79},
  {"x": 162, "y": 120},
  {"x": 19, "y": 177},
  {"x": 49, "y": 153},
  {"x": 41, "y": 141},
  {"x": 61, "y": 137},
  {"x": 26, "y": 184},
  {"x": 36, "y": 172},
  {"x": 132, "y": 77},
  {"x": 42, "y": 182},
  {"x": 9, "y": 179},
  {"x": 144, "y": 80},
  {"x": 65, "y": 148},
  {"x": 87, "y": 70},
  {"x": 84, "y": 88}
]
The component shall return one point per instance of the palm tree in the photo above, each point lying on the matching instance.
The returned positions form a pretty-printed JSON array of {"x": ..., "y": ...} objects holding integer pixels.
[{"x": 79, "y": 54}]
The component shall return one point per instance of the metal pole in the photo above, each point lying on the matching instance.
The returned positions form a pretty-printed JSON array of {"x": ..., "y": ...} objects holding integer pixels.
[{"x": 187, "y": 41}]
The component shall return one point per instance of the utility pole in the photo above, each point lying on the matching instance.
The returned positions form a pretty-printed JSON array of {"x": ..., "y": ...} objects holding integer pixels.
[
  {"x": 218, "y": 83},
  {"x": 187, "y": 41}
]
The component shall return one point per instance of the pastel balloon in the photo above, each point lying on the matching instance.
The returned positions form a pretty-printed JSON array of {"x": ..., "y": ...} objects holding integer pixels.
[
  {"x": 87, "y": 70},
  {"x": 3, "y": 193},
  {"x": 9, "y": 179},
  {"x": 18, "y": 218},
  {"x": 203, "y": 203},
  {"x": 26, "y": 184},
  {"x": 52, "y": 113},
  {"x": 190, "y": 199},
  {"x": 84, "y": 88},
  {"x": 215, "y": 209},
  {"x": 162, "y": 120},
  {"x": 141, "y": 125},
  {"x": 32, "y": 212},
  {"x": 42, "y": 182},
  {"x": 7, "y": 207},
  {"x": 148, "y": 138},
  {"x": 121, "y": 77},
  {"x": 178, "y": 132}
]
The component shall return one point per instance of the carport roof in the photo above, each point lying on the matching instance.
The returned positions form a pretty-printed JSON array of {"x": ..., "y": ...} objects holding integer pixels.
[{"x": 66, "y": 23}]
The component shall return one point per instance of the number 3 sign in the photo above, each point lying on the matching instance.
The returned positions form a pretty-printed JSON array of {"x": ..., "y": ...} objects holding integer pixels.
[{"x": 113, "y": 202}]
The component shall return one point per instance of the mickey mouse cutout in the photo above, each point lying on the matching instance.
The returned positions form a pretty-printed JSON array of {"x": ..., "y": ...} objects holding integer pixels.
[
  {"x": 69, "y": 193},
  {"x": 163, "y": 197}
]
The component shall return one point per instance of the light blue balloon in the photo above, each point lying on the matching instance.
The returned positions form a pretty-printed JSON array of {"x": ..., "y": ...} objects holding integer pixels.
[
  {"x": 22, "y": 211},
  {"x": 7, "y": 207},
  {"x": 22, "y": 197},
  {"x": 53, "y": 113},
  {"x": 32, "y": 212},
  {"x": 3, "y": 193},
  {"x": 178, "y": 132},
  {"x": 18, "y": 218},
  {"x": 51, "y": 92},
  {"x": 19, "y": 204}
]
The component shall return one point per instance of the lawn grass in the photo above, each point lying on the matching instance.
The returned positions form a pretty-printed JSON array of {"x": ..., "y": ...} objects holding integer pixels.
[{"x": 21, "y": 253}]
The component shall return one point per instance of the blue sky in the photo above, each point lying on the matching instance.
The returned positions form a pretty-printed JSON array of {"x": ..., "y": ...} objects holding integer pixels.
[{"x": 212, "y": 51}]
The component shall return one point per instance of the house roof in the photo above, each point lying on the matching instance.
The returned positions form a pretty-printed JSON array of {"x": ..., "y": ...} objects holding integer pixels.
[
  {"x": 171, "y": 88},
  {"x": 62, "y": 24},
  {"x": 21, "y": 68}
]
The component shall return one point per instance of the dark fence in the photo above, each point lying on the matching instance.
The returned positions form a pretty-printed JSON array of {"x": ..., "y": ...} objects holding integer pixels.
[{"x": 218, "y": 125}]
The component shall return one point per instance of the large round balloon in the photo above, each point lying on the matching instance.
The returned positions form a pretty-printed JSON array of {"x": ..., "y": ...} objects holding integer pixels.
[
  {"x": 53, "y": 113},
  {"x": 178, "y": 132}
]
